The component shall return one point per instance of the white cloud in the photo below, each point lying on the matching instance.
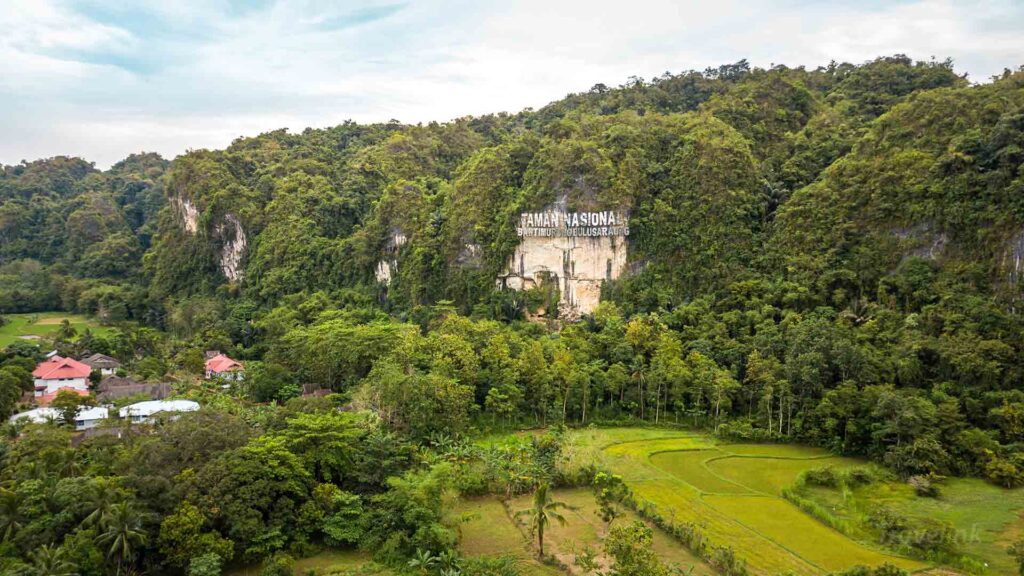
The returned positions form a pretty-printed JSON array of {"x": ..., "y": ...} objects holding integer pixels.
[{"x": 176, "y": 75}]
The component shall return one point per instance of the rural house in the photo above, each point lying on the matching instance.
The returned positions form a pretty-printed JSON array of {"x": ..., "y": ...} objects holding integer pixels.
[
  {"x": 57, "y": 372},
  {"x": 86, "y": 418},
  {"x": 220, "y": 366},
  {"x": 105, "y": 364},
  {"x": 49, "y": 397},
  {"x": 143, "y": 411},
  {"x": 114, "y": 388}
]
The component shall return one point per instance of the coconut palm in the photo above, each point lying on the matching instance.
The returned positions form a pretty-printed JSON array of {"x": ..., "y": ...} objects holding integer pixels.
[
  {"x": 122, "y": 532},
  {"x": 10, "y": 513},
  {"x": 50, "y": 560},
  {"x": 103, "y": 495},
  {"x": 544, "y": 510}
]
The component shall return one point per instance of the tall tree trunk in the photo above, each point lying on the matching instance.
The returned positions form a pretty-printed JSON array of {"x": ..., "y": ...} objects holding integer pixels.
[
  {"x": 657, "y": 403},
  {"x": 540, "y": 539}
]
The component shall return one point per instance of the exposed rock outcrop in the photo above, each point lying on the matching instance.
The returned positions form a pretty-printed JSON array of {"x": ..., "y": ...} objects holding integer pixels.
[
  {"x": 233, "y": 248},
  {"x": 1013, "y": 259},
  {"x": 580, "y": 258},
  {"x": 188, "y": 213},
  {"x": 386, "y": 268}
]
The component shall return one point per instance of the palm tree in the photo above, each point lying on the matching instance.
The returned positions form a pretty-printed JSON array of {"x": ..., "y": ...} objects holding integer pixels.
[
  {"x": 10, "y": 513},
  {"x": 49, "y": 560},
  {"x": 544, "y": 509},
  {"x": 103, "y": 494},
  {"x": 122, "y": 532},
  {"x": 423, "y": 561},
  {"x": 66, "y": 331}
]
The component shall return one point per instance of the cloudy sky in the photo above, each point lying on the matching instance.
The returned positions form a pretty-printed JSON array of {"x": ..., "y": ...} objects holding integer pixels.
[{"x": 105, "y": 78}]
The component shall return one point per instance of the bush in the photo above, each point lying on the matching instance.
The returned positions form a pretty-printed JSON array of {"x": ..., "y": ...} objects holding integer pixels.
[
  {"x": 924, "y": 485},
  {"x": 859, "y": 476},
  {"x": 497, "y": 566},
  {"x": 927, "y": 536},
  {"x": 205, "y": 565},
  {"x": 825, "y": 476},
  {"x": 280, "y": 564}
]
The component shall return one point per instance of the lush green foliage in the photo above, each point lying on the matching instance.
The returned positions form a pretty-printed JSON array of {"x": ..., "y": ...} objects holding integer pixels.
[{"x": 829, "y": 256}]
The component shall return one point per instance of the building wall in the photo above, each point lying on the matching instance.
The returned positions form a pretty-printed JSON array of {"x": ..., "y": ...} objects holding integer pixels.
[{"x": 53, "y": 385}]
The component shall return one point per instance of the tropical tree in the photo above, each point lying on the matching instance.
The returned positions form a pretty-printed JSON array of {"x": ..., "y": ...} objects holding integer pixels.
[
  {"x": 66, "y": 331},
  {"x": 122, "y": 533},
  {"x": 51, "y": 560},
  {"x": 10, "y": 513},
  {"x": 544, "y": 510},
  {"x": 100, "y": 500}
]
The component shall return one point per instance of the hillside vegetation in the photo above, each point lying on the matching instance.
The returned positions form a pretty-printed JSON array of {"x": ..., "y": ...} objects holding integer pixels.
[{"x": 831, "y": 257}]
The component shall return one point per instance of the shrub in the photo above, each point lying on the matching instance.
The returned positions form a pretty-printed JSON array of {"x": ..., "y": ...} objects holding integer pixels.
[
  {"x": 825, "y": 476},
  {"x": 890, "y": 524},
  {"x": 205, "y": 565},
  {"x": 859, "y": 476},
  {"x": 278, "y": 565},
  {"x": 484, "y": 566},
  {"x": 924, "y": 485}
]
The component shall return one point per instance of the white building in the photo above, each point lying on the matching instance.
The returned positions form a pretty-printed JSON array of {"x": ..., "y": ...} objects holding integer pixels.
[
  {"x": 144, "y": 411},
  {"x": 86, "y": 417},
  {"x": 90, "y": 417},
  {"x": 57, "y": 372}
]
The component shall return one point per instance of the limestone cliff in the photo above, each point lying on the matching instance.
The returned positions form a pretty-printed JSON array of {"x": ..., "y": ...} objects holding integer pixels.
[
  {"x": 578, "y": 264},
  {"x": 577, "y": 250}
]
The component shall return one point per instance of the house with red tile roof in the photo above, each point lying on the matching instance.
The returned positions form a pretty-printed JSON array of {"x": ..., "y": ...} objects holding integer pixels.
[
  {"x": 45, "y": 399},
  {"x": 220, "y": 366},
  {"x": 57, "y": 372}
]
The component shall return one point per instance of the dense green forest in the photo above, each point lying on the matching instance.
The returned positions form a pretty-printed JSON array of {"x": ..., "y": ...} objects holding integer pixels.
[{"x": 830, "y": 256}]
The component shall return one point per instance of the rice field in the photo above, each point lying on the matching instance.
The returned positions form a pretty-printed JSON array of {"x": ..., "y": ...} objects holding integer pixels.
[
  {"x": 987, "y": 518},
  {"x": 35, "y": 327},
  {"x": 485, "y": 529},
  {"x": 488, "y": 530},
  {"x": 732, "y": 493}
]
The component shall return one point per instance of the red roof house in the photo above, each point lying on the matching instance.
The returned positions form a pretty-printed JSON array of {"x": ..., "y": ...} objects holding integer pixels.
[
  {"x": 45, "y": 399},
  {"x": 220, "y": 366},
  {"x": 58, "y": 372}
]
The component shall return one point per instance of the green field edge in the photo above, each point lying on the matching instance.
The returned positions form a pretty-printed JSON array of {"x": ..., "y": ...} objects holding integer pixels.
[
  {"x": 758, "y": 493},
  {"x": 753, "y": 493}
]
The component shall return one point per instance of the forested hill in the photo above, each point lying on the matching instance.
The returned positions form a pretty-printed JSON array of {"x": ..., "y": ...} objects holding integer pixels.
[
  {"x": 831, "y": 254},
  {"x": 851, "y": 182}
]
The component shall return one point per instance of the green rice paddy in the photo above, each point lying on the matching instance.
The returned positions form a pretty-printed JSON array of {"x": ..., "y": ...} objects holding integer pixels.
[
  {"x": 987, "y": 518},
  {"x": 732, "y": 493},
  {"x": 39, "y": 326}
]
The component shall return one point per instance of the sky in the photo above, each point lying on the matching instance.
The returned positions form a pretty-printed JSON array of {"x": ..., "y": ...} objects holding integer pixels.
[{"x": 102, "y": 79}]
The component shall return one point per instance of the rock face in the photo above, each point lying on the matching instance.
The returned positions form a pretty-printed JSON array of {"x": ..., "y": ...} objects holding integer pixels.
[
  {"x": 233, "y": 248},
  {"x": 386, "y": 268},
  {"x": 188, "y": 212},
  {"x": 579, "y": 258},
  {"x": 228, "y": 234}
]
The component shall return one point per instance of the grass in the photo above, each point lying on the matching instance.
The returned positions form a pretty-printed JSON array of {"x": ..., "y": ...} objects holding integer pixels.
[
  {"x": 486, "y": 530},
  {"x": 787, "y": 526},
  {"x": 326, "y": 562},
  {"x": 42, "y": 325},
  {"x": 584, "y": 529},
  {"x": 987, "y": 518},
  {"x": 770, "y": 475},
  {"x": 731, "y": 493},
  {"x": 691, "y": 467}
]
